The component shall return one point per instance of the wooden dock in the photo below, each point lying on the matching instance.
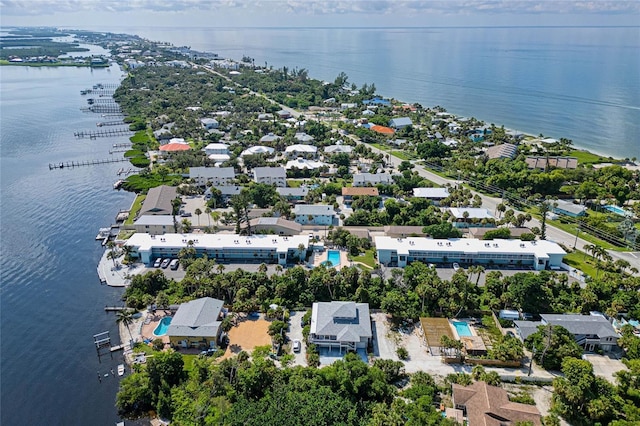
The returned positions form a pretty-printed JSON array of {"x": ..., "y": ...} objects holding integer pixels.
[
  {"x": 110, "y": 123},
  {"x": 117, "y": 348},
  {"x": 115, "y": 308},
  {"x": 72, "y": 164},
  {"x": 108, "y": 133}
]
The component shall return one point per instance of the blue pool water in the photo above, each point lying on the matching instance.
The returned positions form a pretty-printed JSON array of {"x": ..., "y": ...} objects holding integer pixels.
[
  {"x": 462, "y": 328},
  {"x": 617, "y": 210},
  {"x": 333, "y": 258},
  {"x": 161, "y": 329}
]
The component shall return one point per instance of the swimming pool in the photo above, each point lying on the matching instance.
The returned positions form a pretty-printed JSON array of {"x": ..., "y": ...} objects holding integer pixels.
[
  {"x": 162, "y": 328},
  {"x": 617, "y": 210},
  {"x": 333, "y": 258},
  {"x": 462, "y": 328}
]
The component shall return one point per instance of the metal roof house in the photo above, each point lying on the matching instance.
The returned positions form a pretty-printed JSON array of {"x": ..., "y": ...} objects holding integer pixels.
[
  {"x": 371, "y": 179},
  {"x": 569, "y": 209},
  {"x": 590, "y": 331},
  {"x": 342, "y": 325},
  {"x": 196, "y": 324},
  {"x": 314, "y": 214},
  {"x": 400, "y": 122},
  {"x": 218, "y": 176},
  {"x": 271, "y": 176}
]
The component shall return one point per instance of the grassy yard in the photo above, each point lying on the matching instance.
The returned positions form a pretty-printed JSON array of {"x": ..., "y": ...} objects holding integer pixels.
[
  {"x": 577, "y": 260},
  {"x": 135, "y": 208},
  {"x": 585, "y": 157},
  {"x": 366, "y": 258}
]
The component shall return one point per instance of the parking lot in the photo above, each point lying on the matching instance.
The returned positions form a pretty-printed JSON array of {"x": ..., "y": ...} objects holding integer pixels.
[{"x": 605, "y": 366}]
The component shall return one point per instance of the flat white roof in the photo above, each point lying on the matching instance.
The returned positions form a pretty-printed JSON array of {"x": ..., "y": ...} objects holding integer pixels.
[
  {"x": 146, "y": 242},
  {"x": 220, "y": 146},
  {"x": 541, "y": 248},
  {"x": 474, "y": 213},
  {"x": 154, "y": 219},
  {"x": 431, "y": 192}
]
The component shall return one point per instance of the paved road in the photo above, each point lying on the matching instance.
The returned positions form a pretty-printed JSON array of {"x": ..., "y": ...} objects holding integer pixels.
[{"x": 295, "y": 332}]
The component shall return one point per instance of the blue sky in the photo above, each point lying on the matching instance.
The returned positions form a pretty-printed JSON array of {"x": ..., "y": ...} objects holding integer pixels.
[{"x": 106, "y": 14}]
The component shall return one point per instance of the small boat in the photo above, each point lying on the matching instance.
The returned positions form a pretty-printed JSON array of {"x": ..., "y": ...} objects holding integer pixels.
[
  {"x": 118, "y": 184},
  {"x": 120, "y": 369},
  {"x": 103, "y": 233}
]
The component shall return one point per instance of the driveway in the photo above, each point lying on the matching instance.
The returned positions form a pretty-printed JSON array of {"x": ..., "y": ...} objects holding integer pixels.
[
  {"x": 384, "y": 340},
  {"x": 605, "y": 366},
  {"x": 295, "y": 332}
]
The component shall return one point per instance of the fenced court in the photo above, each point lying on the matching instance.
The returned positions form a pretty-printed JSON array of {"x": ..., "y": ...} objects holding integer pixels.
[{"x": 434, "y": 329}]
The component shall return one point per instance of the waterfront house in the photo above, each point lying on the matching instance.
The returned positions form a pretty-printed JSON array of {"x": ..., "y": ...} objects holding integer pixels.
[
  {"x": 218, "y": 176},
  {"x": 544, "y": 163},
  {"x": 435, "y": 195},
  {"x": 271, "y": 176},
  {"x": 591, "y": 332},
  {"x": 377, "y": 101},
  {"x": 314, "y": 214},
  {"x": 197, "y": 324},
  {"x": 538, "y": 255},
  {"x": 372, "y": 179},
  {"x": 155, "y": 224},
  {"x": 342, "y": 325},
  {"x": 158, "y": 201},
  {"x": 224, "y": 248},
  {"x": 485, "y": 405}
]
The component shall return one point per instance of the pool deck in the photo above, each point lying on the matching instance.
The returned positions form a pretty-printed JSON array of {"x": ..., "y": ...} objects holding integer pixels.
[{"x": 324, "y": 257}]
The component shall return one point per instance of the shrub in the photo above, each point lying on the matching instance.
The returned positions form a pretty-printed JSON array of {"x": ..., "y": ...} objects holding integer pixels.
[
  {"x": 158, "y": 344},
  {"x": 402, "y": 352}
]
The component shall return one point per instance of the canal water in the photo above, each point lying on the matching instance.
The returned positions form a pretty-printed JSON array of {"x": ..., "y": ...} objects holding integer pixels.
[{"x": 52, "y": 302}]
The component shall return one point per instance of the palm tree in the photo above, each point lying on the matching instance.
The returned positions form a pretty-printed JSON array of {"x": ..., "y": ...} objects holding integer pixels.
[
  {"x": 112, "y": 252},
  {"x": 198, "y": 212},
  {"x": 216, "y": 217},
  {"x": 125, "y": 317},
  {"x": 588, "y": 248},
  {"x": 207, "y": 211}
]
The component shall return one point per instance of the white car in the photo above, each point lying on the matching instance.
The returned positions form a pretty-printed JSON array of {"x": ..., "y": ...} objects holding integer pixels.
[
  {"x": 456, "y": 266},
  {"x": 157, "y": 263},
  {"x": 165, "y": 263},
  {"x": 296, "y": 345}
]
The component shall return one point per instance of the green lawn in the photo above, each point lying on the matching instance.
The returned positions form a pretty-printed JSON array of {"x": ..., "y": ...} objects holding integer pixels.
[
  {"x": 403, "y": 155},
  {"x": 577, "y": 260},
  {"x": 366, "y": 258},
  {"x": 585, "y": 157},
  {"x": 135, "y": 208}
]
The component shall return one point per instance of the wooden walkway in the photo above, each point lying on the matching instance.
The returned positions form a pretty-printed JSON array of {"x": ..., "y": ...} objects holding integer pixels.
[
  {"x": 72, "y": 164},
  {"x": 107, "y": 133}
]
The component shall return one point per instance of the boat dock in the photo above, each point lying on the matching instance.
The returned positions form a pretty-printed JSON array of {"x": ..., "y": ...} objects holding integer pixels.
[
  {"x": 102, "y": 133},
  {"x": 72, "y": 164},
  {"x": 115, "y": 308},
  {"x": 110, "y": 123}
]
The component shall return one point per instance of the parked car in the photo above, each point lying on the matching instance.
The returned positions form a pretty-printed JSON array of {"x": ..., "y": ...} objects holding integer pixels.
[
  {"x": 296, "y": 345},
  {"x": 208, "y": 352},
  {"x": 186, "y": 214},
  {"x": 157, "y": 263},
  {"x": 456, "y": 266},
  {"x": 165, "y": 263},
  {"x": 174, "y": 264}
]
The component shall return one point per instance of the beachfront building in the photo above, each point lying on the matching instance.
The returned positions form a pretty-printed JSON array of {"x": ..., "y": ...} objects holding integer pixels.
[
  {"x": 372, "y": 179},
  {"x": 342, "y": 325},
  {"x": 197, "y": 324},
  {"x": 482, "y": 404},
  {"x": 505, "y": 150},
  {"x": 591, "y": 332},
  {"x": 435, "y": 195},
  {"x": 538, "y": 255},
  {"x": 218, "y": 176},
  {"x": 314, "y": 214},
  {"x": 155, "y": 224},
  {"x": 464, "y": 217},
  {"x": 158, "y": 201},
  {"x": 224, "y": 248},
  {"x": 271, "y": 176},
  {"x": 544, "y": 163},
  {"x": 301, "y": 151}
]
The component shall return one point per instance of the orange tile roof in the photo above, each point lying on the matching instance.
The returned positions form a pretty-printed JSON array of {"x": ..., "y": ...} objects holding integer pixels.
[
  {"x": 382, "y": 129},
  {"x": 171, "y": 147}
]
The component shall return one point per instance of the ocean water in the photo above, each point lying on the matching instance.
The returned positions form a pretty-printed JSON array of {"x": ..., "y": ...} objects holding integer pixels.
[
  {"x": 51, "y": 301},
  {"x": 578, "y": 83}
]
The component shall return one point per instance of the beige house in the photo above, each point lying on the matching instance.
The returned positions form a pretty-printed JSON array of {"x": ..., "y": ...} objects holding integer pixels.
[{"x": 196, "y": 324}]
